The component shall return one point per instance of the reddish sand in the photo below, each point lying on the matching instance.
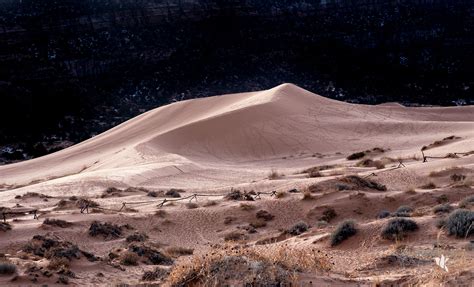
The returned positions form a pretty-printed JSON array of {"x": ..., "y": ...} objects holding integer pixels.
[{"x": 208, "y": 146}]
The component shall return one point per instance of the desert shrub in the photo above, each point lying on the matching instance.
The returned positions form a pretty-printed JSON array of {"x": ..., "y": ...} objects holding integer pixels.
[
  {"x": 280, "y": 194},
  {"x": 343, "y": 231},
  {"x": 371, "y": 163},
  {"x": 247, "y": 207},
  {"x": 179, "y": 251},
  {"x": 129, "y": 258},
  {"x": 314, "y": 173},
  {"x": 210, "y": 203},
  {"x": 440, "y": 223},
  {"x": 5, "y": 226},
  {"x": 293, "y": 190},
  {"x": 57, "y": 222},
  {"x": 443, "y": 208},
  {"x": 152, "y": 194},
  {"x": 174, "y": 192},
  {"x": 274, "y": 175},
  {"x": 7, "y": 268},
  {"x": 460, "y": 223},
  {"x": 442, "y": 198},
  {"x": 107, "y": 230},
  {"x": 357, "y": 182},
  {"x": 265, "y": 215},
  {"x": 236, "y": 194},
  {"x": 383, "y": 214},
  {"x": 328, "y": 214},
  {"x": 298, "y": 228},
  {"x": 137, "y": 237},
  {"x": 410, "y": 191},
  {"x": 152, "y": 255},
  {"x": 467, "y": 202},
  {"x": 403, "y": 211},
  {"x": 357, "y": 155},
  {"x": 457, "y": 177},
  {"x": 191, "y": 205},
  {"x": 429, "y": 185},
  {"x": 235, "y": 236},
  {"x": 258, "y": 223},
  {"x": 161, "y": 213},
  {"x": 397, "y": 228},
  {"x": 157, "y": 274},
  {"x": 57, "y": 263}
]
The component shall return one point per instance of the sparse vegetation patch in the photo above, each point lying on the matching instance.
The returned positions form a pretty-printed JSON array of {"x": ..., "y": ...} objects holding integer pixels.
[
  {"x": 397, "y": 228},
  {"x": 343, "y": 231}
]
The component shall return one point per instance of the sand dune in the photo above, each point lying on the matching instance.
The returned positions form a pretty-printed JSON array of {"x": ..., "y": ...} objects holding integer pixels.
[
  {"x": 245, "y": 127},
  {"x": 216, "y": 144}
]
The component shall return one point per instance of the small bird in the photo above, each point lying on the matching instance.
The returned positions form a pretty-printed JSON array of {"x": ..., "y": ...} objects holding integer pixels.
[{"x": 441, "y": 262}]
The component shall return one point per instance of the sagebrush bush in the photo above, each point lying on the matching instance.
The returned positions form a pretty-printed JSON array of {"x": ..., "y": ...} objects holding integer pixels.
[
  {"x": 397, "y": 228},
  {"x": 343, "y": 231},
  {"x": 7, "y": 268},
  {"x": 383, "y": 214},
  {"x": 298, "y": 228},
  {"x": 129, "y": 258},
  {"x": 460, "y": 223},
  {"x": 467, "y": 202},
  {"x": 443, "y": 208}
]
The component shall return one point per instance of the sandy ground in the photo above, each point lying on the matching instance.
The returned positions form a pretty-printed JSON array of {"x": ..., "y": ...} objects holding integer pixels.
[{"x": 213, "y": 145}]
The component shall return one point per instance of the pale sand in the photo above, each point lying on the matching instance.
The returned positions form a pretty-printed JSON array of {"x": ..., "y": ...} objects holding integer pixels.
[{"x": 214, "y": 144}]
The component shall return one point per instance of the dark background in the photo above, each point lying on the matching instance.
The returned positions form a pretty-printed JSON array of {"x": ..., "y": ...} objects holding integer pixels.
[{"x": 70, "y": 69}]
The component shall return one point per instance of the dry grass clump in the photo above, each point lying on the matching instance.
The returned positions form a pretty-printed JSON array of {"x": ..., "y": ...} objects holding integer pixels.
[
  {"x": 191, "y": 205},
  {"x": 75, "y": 202},
  {"x": 57, "y": 263},
  {"x": 343, "y": 231},
  {"x": 235, "y": 236},
  {"x": 107, "y": 230},
  {"x": 174, "y": 192},
  {"x": 457, "y": 177},
  {"x": 356, "y": 155},
  {"x": 410, "y": 191},
  {"x": 444, "y": 141},
  {"x": 442, "y": 198},
  {"x": 5, "y": 226},
  {"x": 57, "y": 222},
  {"x": 247, "y": 207},
  {"x": 258, "y": 223},
  {"x": 298, "y": 228},
  {"x": 151, "y": 255},
  {"x": 351, "y": 182},
  {"x": 280, "y": 194},
  {"x": 460, "y": 223},
  {"x": 467, "y": 202},
  {"x": 397, "y": 228},
  {"x": 229, "y": 219},
  {"x": 7, "y": 268},
  {"x": 210, "y": 203},
  {"x": 371, "y": 163},
  {"x": 179, "y": 251},
  {"x": 137, "y": 237},
  {"x": 329, "y": 214},
  {"x": 161, "y": 213},
  {"x": 129, "y": 258},
  {"x": 275, "y": 175},
  {"x": 318, "y": 168},
  {"x": 314, "y": 173},
  {"x": 250, "y": 266},
  {"x": 429, "y": 185},
  {"x": 157, "y": 274},
  {"x": 236, "y": 194},
  {"x": 264, "y": 215},
  {"x": 33, "y": 194}
]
